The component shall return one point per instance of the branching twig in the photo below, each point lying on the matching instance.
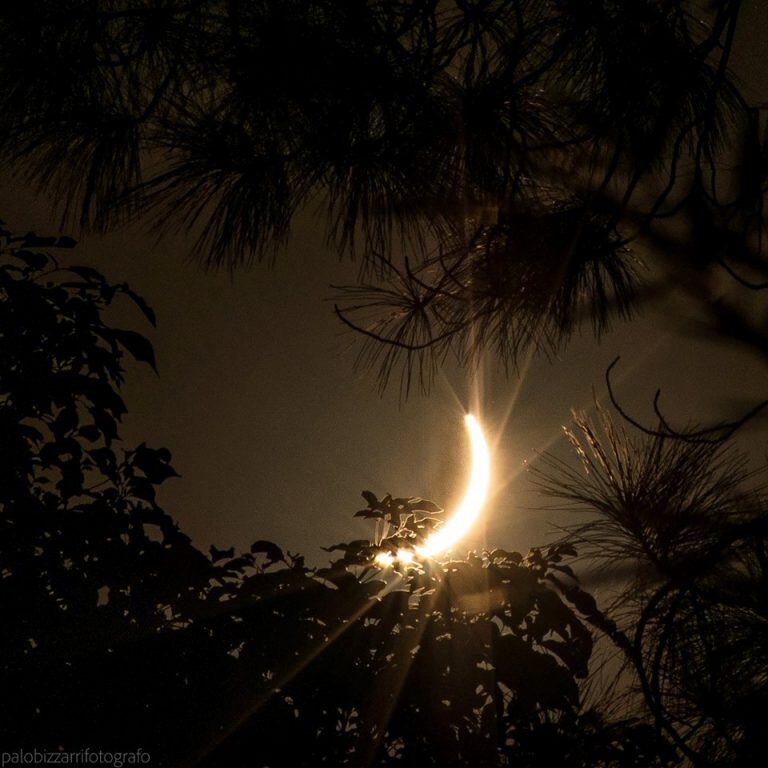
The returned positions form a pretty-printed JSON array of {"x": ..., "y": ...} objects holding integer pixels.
[{"x": 713, "y": 435}]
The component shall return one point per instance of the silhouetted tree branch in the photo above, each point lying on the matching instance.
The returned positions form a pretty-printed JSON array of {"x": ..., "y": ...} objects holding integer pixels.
[
  {"x": 689, "y": 517},
  {"x": 419, "y": 127},
  {"x": 718, "y": 433}
]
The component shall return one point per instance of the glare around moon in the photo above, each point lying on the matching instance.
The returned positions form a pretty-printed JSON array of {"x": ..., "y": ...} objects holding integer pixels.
[
  {"x": 467, "y": 512},
  {"x": 474, "y": 497}
]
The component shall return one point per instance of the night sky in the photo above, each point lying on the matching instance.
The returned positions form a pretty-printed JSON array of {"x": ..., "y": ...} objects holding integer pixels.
[{"x": 275, "y": 435}]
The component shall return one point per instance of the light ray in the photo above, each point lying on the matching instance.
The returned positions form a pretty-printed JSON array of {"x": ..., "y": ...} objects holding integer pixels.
[{"x": 587, "y": 407}]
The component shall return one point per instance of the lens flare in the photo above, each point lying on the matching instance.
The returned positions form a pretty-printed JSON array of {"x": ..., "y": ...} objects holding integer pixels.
[
  {"x": 405, "y": 555},
  {"x": 384, "y": 559},
  {"x": 466, "y": 514},
  {"x": 474, "y": 497}
]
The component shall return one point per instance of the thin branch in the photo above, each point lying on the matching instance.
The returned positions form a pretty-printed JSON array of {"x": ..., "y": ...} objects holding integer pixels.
[{"x": 708, "y": 435}]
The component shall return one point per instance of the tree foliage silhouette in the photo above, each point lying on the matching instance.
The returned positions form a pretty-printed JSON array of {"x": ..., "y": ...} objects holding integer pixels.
[
  {"x": 506, "y": 170},
  {"x": 118, "y": 631},
  {"x": 524, "y": 155},
  {"x": 691, "y": 522}
]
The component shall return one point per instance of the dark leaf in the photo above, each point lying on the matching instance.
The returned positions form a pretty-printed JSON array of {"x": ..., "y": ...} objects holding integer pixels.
[
  {"x": 142, "y": 488},
  {"x": 90, "y": 432},
  {"x": 221, "y": 554},
  {"x": 273, "y": 553},
  {"x": 88, "y": 273},
  {"x": 31, "y": 240},
  {"x": 66, "y": 420},
  {"x": 369, "y": 514},
  {"x": 105, "y": 460},
  {"x": 151, "y": 463},
  {"x": 140, "y": 302},
  {"x": 139, "y": 347},
  {"x": 33, "y": 260},
  {"x": 30, "y": 433}
]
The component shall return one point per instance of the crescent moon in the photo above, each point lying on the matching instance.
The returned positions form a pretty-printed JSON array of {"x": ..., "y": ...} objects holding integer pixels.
[{"x": 474, "y": 497}]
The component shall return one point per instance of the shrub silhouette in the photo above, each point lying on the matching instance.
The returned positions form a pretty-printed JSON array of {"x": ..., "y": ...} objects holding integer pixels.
[{"x": 119, "y": 633}]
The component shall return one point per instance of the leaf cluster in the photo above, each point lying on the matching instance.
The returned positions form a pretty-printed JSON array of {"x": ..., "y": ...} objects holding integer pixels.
[{"x": 222, "y": 656}]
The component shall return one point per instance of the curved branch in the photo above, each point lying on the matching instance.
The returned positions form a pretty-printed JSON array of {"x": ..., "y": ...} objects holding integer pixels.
[
  {"x": 391, "y": 342},
  {"x": 663, "y": 723},
  {"x": 741, "y": 280},
  {"x": 713, "y": 435}
]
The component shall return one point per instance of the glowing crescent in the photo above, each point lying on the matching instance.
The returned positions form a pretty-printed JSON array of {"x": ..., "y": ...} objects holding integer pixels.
[{"x": 474, "y": 497}]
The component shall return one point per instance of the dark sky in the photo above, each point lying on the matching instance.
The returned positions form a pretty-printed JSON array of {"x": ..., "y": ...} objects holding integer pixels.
[{"x": 275, "y": 435}]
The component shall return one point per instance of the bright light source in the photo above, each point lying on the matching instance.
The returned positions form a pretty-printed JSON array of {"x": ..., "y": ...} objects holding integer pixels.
[
  {"x": 384, "y": 559},
  {"x": 474, "y": 497},
  {"x": 466, "y": 514},
  {"x": 405, "y": 555}
]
